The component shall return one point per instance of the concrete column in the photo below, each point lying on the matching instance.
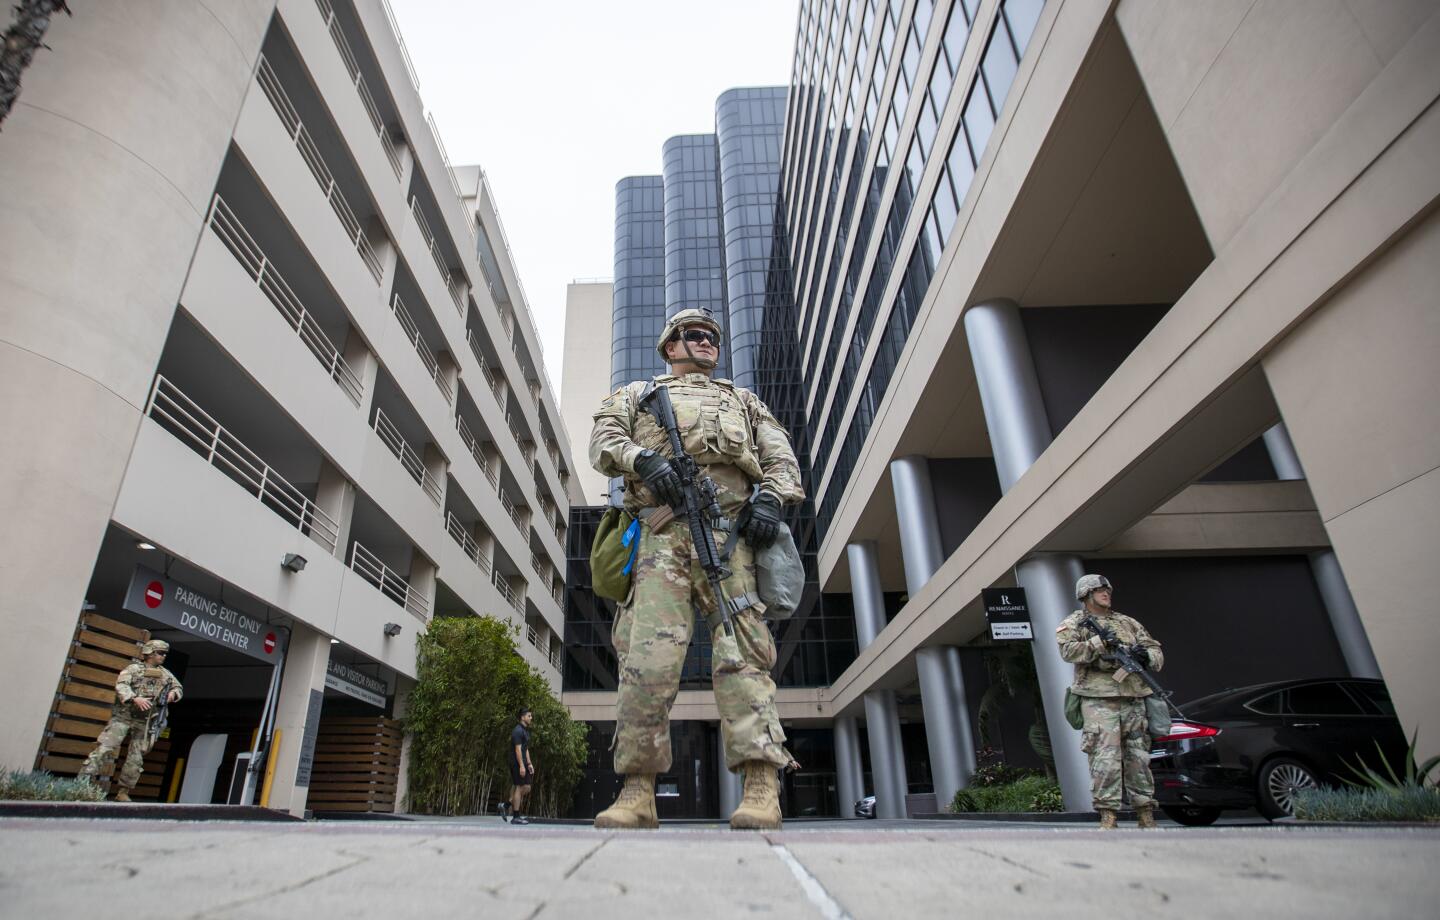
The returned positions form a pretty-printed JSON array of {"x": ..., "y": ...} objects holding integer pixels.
[
  {"x": 1282, "y": 453},
  {"x": 1049, "y": 583},
  {"x": 1019, "y": 433},
  {"x": 869, "y": 600},
  {"x": 882, "y": 719},
  {"x": 1344, "y": 615},
  {"x": 437, "y": 466},
  {"x": 849, "y": 775},
  {"x": 363, "y": 362},
  {"x": 450, "y": 373},
  {"x": 947, "y": 720},
  {"x": 491, "y": 453},
  {"x": 1334, "y": 591},
  {"x": 732, "y": 785},
  {"x": 335, "y": 495},
  {"x": 1009, "y": 389},
  {"x": 485, "y": 540},
  {"x": 942, "y": 685},
  {"x": 388, "y": 252},
  {"x": 887, "y": 753},
  {"x": 919, "y": 525},
  {"x": 422, "y": 579},
  {"x": 304, "y": 675}
]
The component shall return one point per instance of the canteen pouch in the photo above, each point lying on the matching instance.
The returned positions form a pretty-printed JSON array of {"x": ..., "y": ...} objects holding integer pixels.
[
  {"x": 1157, "y": 716},
  {"x": 1073, "y": 715},
  {"x": 780, "y": 576},
  {"x": 613, "y": 553}
]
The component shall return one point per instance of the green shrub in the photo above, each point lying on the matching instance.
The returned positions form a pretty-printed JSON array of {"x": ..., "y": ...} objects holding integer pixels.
[
  {"x": 1029, "y": 793},
  {"x": 1404, "y": 803},
  {"x": 470, "y": 684},
  {"x": 39, "y": 786}
]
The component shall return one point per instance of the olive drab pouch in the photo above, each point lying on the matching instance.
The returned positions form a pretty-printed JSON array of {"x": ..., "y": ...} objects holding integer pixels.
[
  {"x": 613, "y": 553},
  {"x": 1157, "y": 716},
  {"x": 1073, "y": 715},
  {"x": 780, "y": 575}
]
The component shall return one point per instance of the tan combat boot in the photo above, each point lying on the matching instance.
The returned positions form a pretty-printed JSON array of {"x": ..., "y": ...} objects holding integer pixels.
[
  {"x": 122, "y": 794},
  {"x": 635, "y": 808},
  {"x": 1107, "y": 819},
  {"x": 760, "y": 808},
  {"x": 1145, "y": 817}
]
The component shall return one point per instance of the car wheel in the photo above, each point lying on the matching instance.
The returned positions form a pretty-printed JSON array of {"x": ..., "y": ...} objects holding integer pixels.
[
  {"x": 1191, "y": 815},
  {"x": 1280, "y": 779}
]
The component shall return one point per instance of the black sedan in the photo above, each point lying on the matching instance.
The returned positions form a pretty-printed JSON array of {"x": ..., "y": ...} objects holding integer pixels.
[{"x": 1255, "y": 746}]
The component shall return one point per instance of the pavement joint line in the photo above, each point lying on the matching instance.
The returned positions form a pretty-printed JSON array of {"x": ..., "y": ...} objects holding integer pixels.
[
  {"x": 829, "y": 908},
  {"x": 593, "y": 850}
]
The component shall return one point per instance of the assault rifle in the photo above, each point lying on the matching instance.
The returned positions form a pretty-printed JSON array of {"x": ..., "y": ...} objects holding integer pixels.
[
  {"x": 1121, "y": 655},
  {"x": 159, "y": 715},
  {"x": 702, "y": 507}
]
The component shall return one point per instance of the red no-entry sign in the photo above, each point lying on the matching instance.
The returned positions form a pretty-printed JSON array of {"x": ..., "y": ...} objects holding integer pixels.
[
  {"x": 269, "y": 643},
  {"x": 154, "y": 594}
]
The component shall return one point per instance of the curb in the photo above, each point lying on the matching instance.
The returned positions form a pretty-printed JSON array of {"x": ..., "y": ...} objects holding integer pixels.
[
  {"x": 1023, "y": 817},
  {"x": 142, "y": 810}
]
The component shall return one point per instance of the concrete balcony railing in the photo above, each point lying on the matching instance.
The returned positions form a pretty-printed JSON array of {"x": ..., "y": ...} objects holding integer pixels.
[
  {"x": 180, "y": 415},
  {"x": 253, "y": 259},
  {"x": 369, "y": 567},
  {"x": 514, "y": 512},
  {"x": 476, "y": 454},
  {"x": 270, "y": 83},
  {"x": 352, "y": 67},
  {"x": 390, "y": 436},
  {"x": 453, "y": 284},
  {"x": 427, "y": 357},
  {"x": 467, "y": 543},
  {"x": 485, "y": 369}
]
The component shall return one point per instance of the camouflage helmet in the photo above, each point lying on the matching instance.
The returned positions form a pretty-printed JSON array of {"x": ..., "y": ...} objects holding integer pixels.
[
  {"x": 153, "y": 646},
  {"x": 696, "y": 316},
  {"x": 1089, "y": 583}
]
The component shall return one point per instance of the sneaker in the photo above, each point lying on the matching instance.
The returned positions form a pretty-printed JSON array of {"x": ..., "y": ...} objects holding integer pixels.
[
  {"x": 519, "y": 819},
  {"x": 504, "y": 811}
]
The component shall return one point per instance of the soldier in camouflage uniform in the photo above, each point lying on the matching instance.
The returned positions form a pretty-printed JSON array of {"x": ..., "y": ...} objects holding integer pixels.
[
  {"x": 137, "y": 699},
  {"x": 738, "y": 443},
  {"x": 1116, "y": 735}
]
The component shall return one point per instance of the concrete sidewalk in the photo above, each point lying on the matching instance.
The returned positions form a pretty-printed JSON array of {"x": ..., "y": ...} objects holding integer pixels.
[{"x": 480, "y": 867}]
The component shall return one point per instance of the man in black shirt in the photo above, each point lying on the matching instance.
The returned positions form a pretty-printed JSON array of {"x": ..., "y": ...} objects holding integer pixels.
[{"x": 522, "y": 770}]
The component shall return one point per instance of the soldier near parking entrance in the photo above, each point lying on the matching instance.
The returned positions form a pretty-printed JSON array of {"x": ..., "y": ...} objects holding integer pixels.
[
  {"x": 141, "y": 692},
  {"x": 1115, "y": 735},
  {"x": 738, "y": 443}
]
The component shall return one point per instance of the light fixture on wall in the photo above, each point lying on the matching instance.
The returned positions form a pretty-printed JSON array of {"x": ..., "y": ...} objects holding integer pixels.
[
  {"x": 392, "y": 630},
  {"x": 142, "y": 544},
  {"x": 294, "y": 562}
]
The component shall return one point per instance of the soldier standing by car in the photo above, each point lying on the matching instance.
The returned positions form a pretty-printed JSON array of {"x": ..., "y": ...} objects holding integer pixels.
[
  {"x": 1116, "y": 734},
  {"x": 141, "y": 690},
  {"x": 738, "y": 443}
]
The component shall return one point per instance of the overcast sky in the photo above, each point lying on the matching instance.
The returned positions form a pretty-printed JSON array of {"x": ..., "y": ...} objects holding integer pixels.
[{"x": 558, "y": 101}]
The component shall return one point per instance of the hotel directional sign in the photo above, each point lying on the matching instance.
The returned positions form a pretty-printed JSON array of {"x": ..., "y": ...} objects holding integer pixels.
[{"x": 1008, "y": 613}]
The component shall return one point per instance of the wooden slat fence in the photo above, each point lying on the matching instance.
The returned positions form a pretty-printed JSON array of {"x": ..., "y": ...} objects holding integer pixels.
[
  {"x": 100, "y": 651},
  {"x": 357, "y": 761}
]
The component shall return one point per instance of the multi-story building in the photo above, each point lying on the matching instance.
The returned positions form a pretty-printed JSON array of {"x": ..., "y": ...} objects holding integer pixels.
[
  {"x": 281, "y": 397},
  {"x": 586, "y": 374},
  {"x": 1138, "y": 288}
]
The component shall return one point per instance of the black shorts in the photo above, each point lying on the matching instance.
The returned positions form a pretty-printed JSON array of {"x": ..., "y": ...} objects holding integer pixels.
[{"x": 519, "y": 777}]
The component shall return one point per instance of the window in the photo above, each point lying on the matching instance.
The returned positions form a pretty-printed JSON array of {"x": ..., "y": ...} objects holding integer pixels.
[
  {"x": 1324, "y": 699},
  {"x": 1375, "y": 697},
  {"x": 1268, "y": 705}
]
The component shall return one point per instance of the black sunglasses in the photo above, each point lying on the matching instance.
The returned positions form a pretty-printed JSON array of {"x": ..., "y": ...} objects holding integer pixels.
[{"x": 696, "y": 336}]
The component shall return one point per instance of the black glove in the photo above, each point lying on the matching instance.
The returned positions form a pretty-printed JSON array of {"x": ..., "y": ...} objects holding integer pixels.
[
  {"x": 1141, "y": 654},
  {"x": 660, "y": 476},
  {"x": 764, "y": 524}
]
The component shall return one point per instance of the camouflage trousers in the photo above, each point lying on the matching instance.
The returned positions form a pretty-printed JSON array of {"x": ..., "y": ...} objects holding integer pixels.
[
  {"x": 651, "y": 636},
  {"x": 103, "y": 757},
  {"x": 1116, "y": 736}
]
